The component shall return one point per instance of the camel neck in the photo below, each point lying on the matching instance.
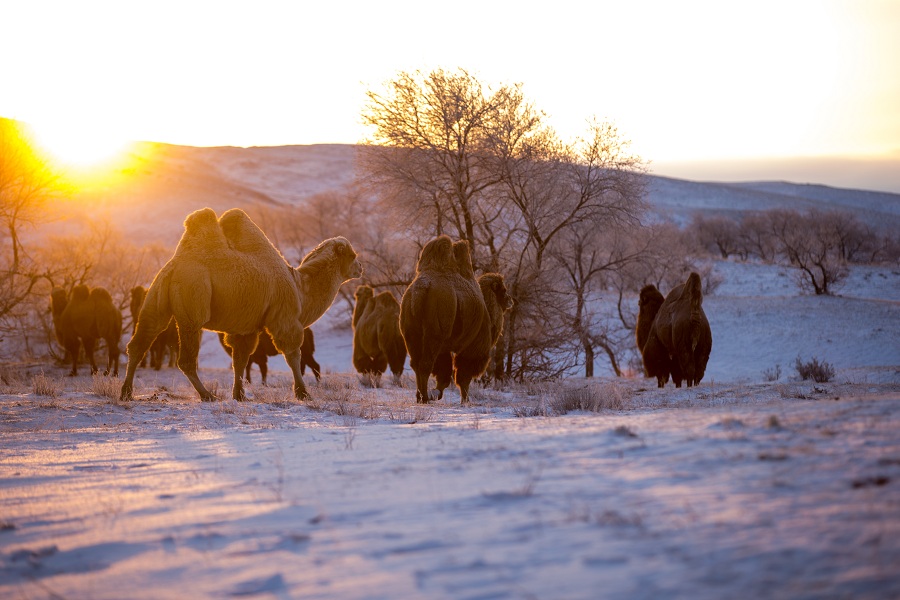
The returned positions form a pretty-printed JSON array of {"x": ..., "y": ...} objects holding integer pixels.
[{"x": 318, "y": 288}]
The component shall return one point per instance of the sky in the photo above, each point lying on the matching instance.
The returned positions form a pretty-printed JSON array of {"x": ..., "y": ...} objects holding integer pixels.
[{"x": 693, "y": 82}]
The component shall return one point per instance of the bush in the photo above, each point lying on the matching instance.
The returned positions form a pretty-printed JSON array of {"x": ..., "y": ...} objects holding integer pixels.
[{"x": 818, "y": 372}]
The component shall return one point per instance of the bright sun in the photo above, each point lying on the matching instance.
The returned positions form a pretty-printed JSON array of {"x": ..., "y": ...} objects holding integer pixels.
[{"x": 79, "y": 146}]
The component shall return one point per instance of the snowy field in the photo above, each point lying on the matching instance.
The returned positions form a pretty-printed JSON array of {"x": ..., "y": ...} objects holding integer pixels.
[{"x": 739, "y": 488}]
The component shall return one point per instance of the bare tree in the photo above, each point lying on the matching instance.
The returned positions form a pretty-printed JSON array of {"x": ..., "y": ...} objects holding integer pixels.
[
  {"x": 27, "y": 183},
  {"x": 717, "y": 234},
  {"x": 808, "y": 243},
  {"x": 483, "y": 166},
  {"x": 433, "y": 131}
]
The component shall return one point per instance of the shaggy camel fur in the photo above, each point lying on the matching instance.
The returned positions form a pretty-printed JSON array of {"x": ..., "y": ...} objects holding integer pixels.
[
  {"x": 265, "y": 348},
  {"x": 655, "y": 358},
  {"x": 88, "y": 315},
  {"x": 682, "y": 333},
  {"x": 227, "y": 276},
  {"x": 167, "y": 341},
  {"x": 138, "y": 293},
  {"x": 444, "y": 319},
  {"x": 377, "y": 341},
  {"x": 497, "y": 301},
  {"x": 362, "y": 362}
]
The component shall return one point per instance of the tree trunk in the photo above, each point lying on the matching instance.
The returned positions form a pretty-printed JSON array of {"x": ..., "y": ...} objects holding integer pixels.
[{"x": 588, "y": 359}]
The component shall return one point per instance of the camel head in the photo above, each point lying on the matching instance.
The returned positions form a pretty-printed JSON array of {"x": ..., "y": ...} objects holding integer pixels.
[
  {"x": 58, "y": 301},
  {"x": 493, "y": 283},
  {"x": 651, "y": 299},
  {"x": 335, "y": 250}
]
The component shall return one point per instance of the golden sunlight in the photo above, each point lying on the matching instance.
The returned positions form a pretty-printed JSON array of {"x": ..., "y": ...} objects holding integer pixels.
[{"x": 79, "y": 146}]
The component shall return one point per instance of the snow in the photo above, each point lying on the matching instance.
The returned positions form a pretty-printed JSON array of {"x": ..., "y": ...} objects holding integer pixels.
[{"x": 740, "y": 487}]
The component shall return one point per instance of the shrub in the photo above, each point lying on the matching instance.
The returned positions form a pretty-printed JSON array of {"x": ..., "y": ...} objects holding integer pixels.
[
  {"x": 593, "y": 398},
  {"x": 818, "y": 372},
  {"x": 773, "y": 374},
  {"x": 45, "y": 386}
]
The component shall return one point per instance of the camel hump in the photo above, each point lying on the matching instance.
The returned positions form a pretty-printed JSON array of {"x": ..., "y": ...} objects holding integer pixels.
[
  {"x": 80, "y": 293},
  {"x": 386, "y": 300},
  {"x": 101, "y": 294},
  {"x": 463, "y": 257},
  {"x": 242, "y": 233},
  {"x": 201, "y": 220},
  {"x": 694, "y": 289},
  {"x": 202, "y": 231},
  {"x": 437, "y": 255}
]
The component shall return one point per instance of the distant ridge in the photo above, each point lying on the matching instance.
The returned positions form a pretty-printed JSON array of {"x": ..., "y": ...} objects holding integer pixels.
[{"x": 151, "y": 200}]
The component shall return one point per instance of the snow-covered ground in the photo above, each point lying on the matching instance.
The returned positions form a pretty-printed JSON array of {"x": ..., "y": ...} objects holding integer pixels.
[
  {"x": 741, "y": 487},
  {"x": 747, "y": 486}
]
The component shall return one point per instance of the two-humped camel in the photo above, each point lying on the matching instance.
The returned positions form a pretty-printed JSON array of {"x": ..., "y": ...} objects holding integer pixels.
[{"x": 227, "y": 276}]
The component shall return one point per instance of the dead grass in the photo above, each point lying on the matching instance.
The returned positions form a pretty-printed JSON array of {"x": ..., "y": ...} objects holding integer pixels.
[
  {"x": 45, "y": 386},
  {"x": 106, "y": 387},
  {"x": 592, "y": 397},
  {"x": 342, "y": 396}
]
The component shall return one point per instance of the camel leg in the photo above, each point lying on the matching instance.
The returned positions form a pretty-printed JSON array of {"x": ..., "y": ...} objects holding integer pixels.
[
  {"x": 242, "y": 346},
  {"x": 264, "y": 368},
  {"x": 292, "y": 358},
  {"x": 189, "y": 338},
  {"x": 313, "y": 365},
  {"x": 73, "y": 349},
  {"x": 423, "y": 366},
  {"x": 89, "y": 351},
  {"x": 146, "y": 331},
  {"x": 466, "y": 370},
  {"x": 112, "y": 360},
  {"x": 443, "y": 373}
]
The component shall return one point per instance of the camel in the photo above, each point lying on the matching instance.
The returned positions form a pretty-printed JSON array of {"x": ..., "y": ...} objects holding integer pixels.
[
  {"x": 165, "y": 341},
  {"x": 226, "y": 276},
  {"x": 362, "y": 362},
  {"x": 377, "y": 341},
  {"x": 682, "y": 333},
  {"x": 265, "y": 348},
  {"x": 444, "y": 320},
  {"x": 655, "y": 357},
  {"x": 87, "y": 316},
  {"x": 497, "y": 301}
]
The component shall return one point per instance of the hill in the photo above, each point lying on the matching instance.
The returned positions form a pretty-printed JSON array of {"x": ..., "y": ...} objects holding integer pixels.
[{"x": 150, "y": 199}]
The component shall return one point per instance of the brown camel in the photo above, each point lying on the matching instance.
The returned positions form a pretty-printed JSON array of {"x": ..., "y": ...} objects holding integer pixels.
[
  {"x": 444, "y": 319},
  {"x": 497, "y": 301},
  {"x": 88, "y": 315},
  {"x": 681, "y": 332},
  {"x": 655, "y": 357},
  {"x": 362, "y": 361},
  {"x": 377, "y": 341},
  {"x": 226, "y": 276},
  {"x": 265, "y": 348}
]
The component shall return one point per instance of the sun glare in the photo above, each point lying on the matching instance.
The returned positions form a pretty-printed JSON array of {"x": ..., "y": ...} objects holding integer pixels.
[{"x": 79, "y": 147}]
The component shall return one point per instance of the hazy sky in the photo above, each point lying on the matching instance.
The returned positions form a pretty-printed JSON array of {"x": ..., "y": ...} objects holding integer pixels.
[{"x": 683, "y": 80}]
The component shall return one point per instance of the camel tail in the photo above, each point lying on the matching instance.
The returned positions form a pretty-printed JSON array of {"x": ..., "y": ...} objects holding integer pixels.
[{"x": 694, "y": 288}]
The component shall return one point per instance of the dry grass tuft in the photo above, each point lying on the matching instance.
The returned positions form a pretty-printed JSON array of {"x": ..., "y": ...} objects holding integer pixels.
[
  {"x": 45, "y": 386},
  {"x": 342, "y": 397},
  {"x": 105, "y": 386},
  {"x": 592, "y": 397}
]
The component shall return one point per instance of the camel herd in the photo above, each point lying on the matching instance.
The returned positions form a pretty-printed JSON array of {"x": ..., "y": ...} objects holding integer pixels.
[{"x": 226, "y": 276}]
